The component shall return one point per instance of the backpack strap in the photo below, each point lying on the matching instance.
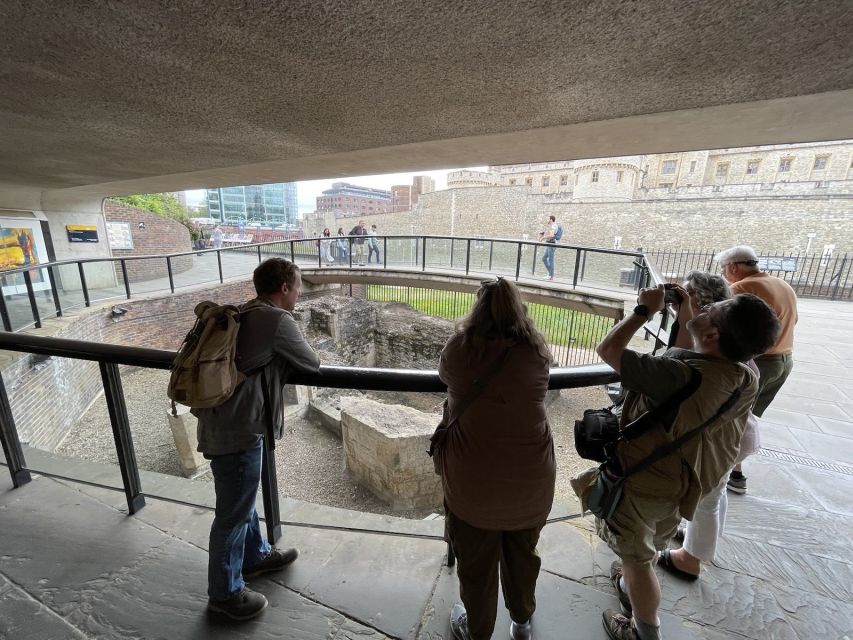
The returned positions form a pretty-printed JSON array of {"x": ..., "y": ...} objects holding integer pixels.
[
  {"x": 646, "y": 421},
  {"x": 676, "y": 444}
]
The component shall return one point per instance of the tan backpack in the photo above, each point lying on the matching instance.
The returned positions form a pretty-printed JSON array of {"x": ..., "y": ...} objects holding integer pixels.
[{"x": 204, "y": 373}]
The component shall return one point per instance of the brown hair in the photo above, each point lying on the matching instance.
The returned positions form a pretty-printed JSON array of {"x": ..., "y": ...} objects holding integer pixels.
[
  {"x": 499, "y": 312},
  {"x": 272, "y": 273}
]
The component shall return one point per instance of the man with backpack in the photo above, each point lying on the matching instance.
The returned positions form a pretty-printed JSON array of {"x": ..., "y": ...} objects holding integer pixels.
[
  {"x": 681, "y": 456},
  {"x": 552, "y": 235},
  {"x": 359, "y": 231},
  {"x": 231, "y": 435}
]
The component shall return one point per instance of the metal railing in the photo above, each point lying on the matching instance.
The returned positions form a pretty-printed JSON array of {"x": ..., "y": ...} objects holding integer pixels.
[
  {"x": 110, "y": 357},
  {"x": 67, "y": 284},
  {"x": 811, "y": 275}
]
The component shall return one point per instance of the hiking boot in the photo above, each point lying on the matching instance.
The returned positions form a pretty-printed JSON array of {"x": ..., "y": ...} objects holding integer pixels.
[
  {"x": 624, "y": 600},
  {"x": 459, "y": 622},
  {"x": 242, "y": 606},
  {"x": 737, "y": 485},
  {"x": 519, "y": 631},
  {"x": 617, "y": 626},
  {"x": 276, "y": 560}
]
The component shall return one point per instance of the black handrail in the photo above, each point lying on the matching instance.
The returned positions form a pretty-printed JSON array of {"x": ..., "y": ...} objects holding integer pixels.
[
  {"x": 581, "y": 251},
  {"x": 110, "y": 356}
]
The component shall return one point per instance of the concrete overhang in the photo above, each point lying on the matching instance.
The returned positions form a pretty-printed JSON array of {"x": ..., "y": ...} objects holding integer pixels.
[{"x": 110, "y": 98}]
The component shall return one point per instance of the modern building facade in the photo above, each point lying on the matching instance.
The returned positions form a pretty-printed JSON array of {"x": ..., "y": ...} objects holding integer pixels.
[
  {"x": 351, "y": 201},
  {"x": 268, "y": 204},
  {"x": 405, "y": 196}
]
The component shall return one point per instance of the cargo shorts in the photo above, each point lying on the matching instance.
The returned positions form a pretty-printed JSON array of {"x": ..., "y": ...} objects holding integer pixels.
[{"x": 640, "y": 526}]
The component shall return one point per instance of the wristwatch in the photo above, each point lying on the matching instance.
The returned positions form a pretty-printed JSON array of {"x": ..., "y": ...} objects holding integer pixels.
[{"x": 642, "y": 310}]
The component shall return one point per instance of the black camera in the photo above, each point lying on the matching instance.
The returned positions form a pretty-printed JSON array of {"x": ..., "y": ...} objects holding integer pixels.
[{"x": 671, "y": 294}]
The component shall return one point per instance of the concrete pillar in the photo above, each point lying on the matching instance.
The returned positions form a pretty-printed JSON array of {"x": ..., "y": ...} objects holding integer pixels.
[{"x": 183, "y": 428}]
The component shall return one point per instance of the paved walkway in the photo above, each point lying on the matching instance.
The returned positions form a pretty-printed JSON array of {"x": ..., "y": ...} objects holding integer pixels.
[{"x": 74, "y": 565}]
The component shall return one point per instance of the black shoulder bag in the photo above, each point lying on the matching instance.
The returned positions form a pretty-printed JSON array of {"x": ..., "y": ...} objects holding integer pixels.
[
  {"x": 606, "y": 493},
  {"x": 439, "y": 436},
  {"x": 597, "y": 433}
]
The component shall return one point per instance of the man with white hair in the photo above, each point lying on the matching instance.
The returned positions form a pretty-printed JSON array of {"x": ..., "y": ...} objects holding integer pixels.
[{"x": 740, "y": 268}]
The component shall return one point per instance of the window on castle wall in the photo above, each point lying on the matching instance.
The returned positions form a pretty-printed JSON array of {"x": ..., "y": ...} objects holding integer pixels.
[
  {"x": 752, "y": 167},
  {"x": 594, "y": 177},
  {"x": 546, "y": 181},
  {"x": 692, "y": 166},
  {"x": 722, "y": 169},
  {"x": 564, "y": 180},
  {"x": 785, "y": 165},
  {"x": 512, "y": 181},
  {"x": 820, "y": 163},
  {"x": 528, "y": 182},
  {"x": 619, "y": 175},
  {"x": 668, "y": 167}
]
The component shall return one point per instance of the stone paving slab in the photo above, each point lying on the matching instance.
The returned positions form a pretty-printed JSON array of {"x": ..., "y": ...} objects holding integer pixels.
[{"x": 22, "y": 616}]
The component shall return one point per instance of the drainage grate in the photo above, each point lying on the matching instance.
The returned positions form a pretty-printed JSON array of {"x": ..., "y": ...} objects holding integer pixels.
[{"x": 809, "y": 462}]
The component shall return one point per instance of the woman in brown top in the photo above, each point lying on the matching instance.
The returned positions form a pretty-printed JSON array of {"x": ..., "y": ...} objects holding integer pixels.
[{"x": 498, "y": 461}]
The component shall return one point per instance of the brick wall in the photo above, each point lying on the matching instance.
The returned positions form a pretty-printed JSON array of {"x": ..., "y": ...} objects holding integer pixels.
[
  {"x": 48, "y": 395},
  {"x": 160, "y": 235}
]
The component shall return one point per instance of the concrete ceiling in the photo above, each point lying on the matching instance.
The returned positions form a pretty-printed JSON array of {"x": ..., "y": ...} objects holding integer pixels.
[{"x": 130, "y": 96}]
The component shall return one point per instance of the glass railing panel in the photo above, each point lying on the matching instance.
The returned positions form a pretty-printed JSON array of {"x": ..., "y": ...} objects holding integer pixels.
[
  {"x": 403, "y": 252},
  {"x": 438, "y": 252},
  {"x": 236, "y": 262},
  {"x": 68, "y": 285},
  {"x": 194, "y": 269},
  {"x": 612, "y": 272},
  {"x": 146, "y": 276}
]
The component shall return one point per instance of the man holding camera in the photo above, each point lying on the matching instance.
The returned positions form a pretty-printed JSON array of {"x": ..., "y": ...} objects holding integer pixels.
[{"x": 724, "y": 335}]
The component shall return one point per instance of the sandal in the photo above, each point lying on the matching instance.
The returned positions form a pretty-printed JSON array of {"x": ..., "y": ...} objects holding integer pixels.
[{"x": 665, "y": 562}]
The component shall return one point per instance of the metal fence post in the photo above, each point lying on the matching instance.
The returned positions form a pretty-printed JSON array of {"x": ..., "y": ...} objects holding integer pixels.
[
  {"x": 219, "y": 264},
  {"x": 423, "y": 254},
  {"x": 518, "y": 262},
  {"x": 535, "y": 253},
  {"x": 269, "y": 492},
  {"x": 260, "y": 260},
  {"x": 121, "y": 434},
  {"x": 171, "y": 276},
  {"x": 83, "y": 284},
  {"x": 467, "y": 256},
  {"x": 577, "y": 269},
  {"x": 31, "y": 294},
  {"x": 56, "y": 302},
  {"x": 126, "y": 280},
  {"x": 838, "y": 278},
  {"x": 491, "y": 251},
  {"x": 384, "y": 252},
  {"x": 11, "y": 442},
  {"x": 4, "y": 312},
  {"x": 292, "y": 252}
]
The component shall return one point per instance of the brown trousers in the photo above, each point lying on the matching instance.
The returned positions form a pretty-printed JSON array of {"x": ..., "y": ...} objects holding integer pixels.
[{"x": 480, "y": 553}]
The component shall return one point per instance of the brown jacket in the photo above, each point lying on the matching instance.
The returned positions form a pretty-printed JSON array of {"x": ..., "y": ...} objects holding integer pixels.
[{"x": 499, "y": 460}]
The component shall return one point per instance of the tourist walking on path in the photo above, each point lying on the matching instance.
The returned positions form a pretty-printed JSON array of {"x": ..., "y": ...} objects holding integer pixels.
[
  {"x": 359, "y": 231},
  {"x": 217, "y": 236},
  {"x": 740, "y": 268},
  {"x": 342, "y": 246},
  {"x": 373, "y": 245},
  {"x": 326, "y": 247},
  {"x": 550, "y": 235},
  {"x": 497, "y": 459},
  {"x": 270, "y": 346}
]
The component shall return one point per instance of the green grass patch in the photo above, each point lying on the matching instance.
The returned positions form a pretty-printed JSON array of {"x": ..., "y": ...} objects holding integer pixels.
[{"x": 559, "y": 326}]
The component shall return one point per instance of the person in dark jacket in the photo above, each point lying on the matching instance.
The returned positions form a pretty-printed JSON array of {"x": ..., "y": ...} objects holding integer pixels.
[
  {"x": 269, "y": 346},
  {"x": 359, "y": 231}
]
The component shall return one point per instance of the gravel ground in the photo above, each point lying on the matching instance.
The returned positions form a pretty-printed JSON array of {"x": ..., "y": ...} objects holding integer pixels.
[{"x": 310, "y": 460}]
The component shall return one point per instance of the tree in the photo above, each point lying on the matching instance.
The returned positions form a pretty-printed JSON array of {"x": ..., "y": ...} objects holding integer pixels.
[{"x": 163, "y": 204}]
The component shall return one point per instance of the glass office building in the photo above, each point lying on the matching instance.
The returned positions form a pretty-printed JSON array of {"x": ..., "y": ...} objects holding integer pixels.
[{"x": 267, "y": 204}]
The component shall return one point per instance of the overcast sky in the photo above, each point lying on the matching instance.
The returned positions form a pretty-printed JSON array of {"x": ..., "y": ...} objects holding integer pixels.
[{"x": 307, "y": 191}]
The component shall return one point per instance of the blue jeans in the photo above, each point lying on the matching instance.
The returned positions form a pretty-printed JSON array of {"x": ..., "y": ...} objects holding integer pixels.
[
  {"x": 235, "y": 537},
  {"x": 548, "y": 260},
  {"x": 371, "y": 249}
]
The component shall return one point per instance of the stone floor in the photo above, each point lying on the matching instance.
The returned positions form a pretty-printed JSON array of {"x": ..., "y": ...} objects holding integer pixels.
[{"x": 74, "y": 565}]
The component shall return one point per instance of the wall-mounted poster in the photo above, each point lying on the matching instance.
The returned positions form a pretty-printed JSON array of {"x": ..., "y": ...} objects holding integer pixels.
[
  {"x": 119, "y": 235},
  {"x": 81, "y": 232},
  {"x": 21, "y": 244}
]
